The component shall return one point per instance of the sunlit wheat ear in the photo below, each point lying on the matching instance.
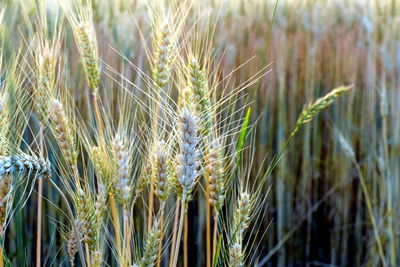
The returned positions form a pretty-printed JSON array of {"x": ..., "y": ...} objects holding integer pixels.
[
  {"x": 151, "y": 247},
  {"x": 216, "y": 172},
  {"x": 121, "y": 183},
  {"x": 201, "y": 99},
  {"x": 23, "y": 164},
  {"x": 100, "y": 203},
  {"x": 46, "y": 61},
  {"x": 236, "y": 255},
  {"x": 161, "y": 62},
  {"x": 185, "y": 98},
  {"x": 173, "y": 167},
  {"x": 62, "y": 130},
  {"x": 188, "y": 159},
  {"x": 161, "y": 180},
  {"x": 103, "y": 167},
  {"x": 73, "y": 243},
  {"x": 144, "y": 177},
  {"x": 6, "y": 197},
  {"x": 242, "y": 213},
  {"x": 241, "y": 219},
  {"x": 314, "y": 108},
  {"x": 97, "y": 258},
  {"x": 86, "y": 213},
  {"x": 86, "y": 40}
]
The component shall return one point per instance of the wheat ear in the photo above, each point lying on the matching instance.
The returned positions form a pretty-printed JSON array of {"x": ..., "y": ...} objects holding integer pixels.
[
  {"x": 188, "y": 164},
  {"x": 314, "y": 108},
  {"x": 162, "y": 186},
  {"x": 242, "y": 215},
  {"x": 150, "y": 250},
  {"x": 63, "y": 132},
  {"x": 87, "y": 47}
]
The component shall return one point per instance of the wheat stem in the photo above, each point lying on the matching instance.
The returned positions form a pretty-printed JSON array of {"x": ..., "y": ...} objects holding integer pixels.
[
  {"x": 370, "y": 213},
  {"x": 185, "y": 242},
  {"x": 173, "y": 242},
  {"x": 215, "y": 232},
  {"x": 179, "y": 236},
  {"x": 39, "y": 207},
  {"x": 127, "y": 245},
  {"x": 162, "y": 209},
  {"x": 1, "y": 256},
  {"x": 87, "y": 251},
  {"x": 208, "y": 222},
  {"x": 114, "y": 214}
]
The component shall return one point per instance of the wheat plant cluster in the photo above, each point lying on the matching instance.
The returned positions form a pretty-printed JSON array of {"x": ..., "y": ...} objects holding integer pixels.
[{"x": 199, "y": 133}]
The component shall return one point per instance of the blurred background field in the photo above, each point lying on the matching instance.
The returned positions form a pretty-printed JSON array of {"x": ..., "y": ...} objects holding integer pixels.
[{"x": 316, "y": 211}]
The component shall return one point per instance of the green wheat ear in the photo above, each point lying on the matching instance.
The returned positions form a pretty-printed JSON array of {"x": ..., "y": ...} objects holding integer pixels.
[{"x": 321, "y": 103}]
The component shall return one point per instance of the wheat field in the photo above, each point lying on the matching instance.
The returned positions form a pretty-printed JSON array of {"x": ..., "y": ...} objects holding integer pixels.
[{"x": 199, "y": 133}]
